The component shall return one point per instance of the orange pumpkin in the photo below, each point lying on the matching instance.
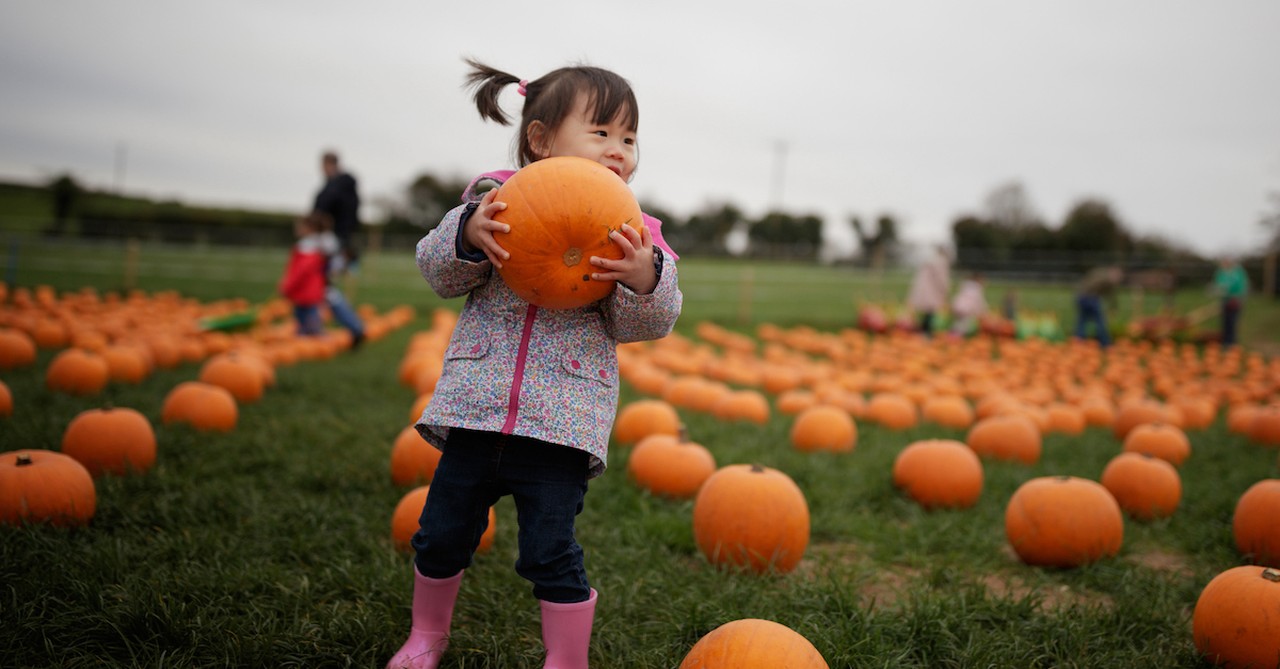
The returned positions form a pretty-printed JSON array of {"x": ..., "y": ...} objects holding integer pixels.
[
  {"x": 17, "y": 349},
  {"x": 642, "y": 418},
  {"x": 752, "y": 643},
  {"x": 1264, "y": 425},
  {"x": 824, "y": 428},
  {"x": 752, "y": 517},
  {"x": 1006, "y": 437},
  {"x": 1063, "y": 521},
  {"x": 1235, "y": 623},
  {"x": 948, "y": 411},
  {"x": 413, "y": 460},
  {"x": 1135, "y": 413},
  {"x": 77, "y": 372},
  {"x": 126, "y": 363},
  {"x": 892, "y": 410},
  {"x": 561, "y": 212},
  {"x": 408, "y": 511},
  {"x": 111, "y": 440},
  {"x": 670, "y": 466},
  {"x": 38, "y": 486},
  {"x": 1160, "y": 440},
  {"x": 239, "y": 375},
  {"x": 1145, "y": 486},
  {"x": 6, "y": 400},
  {"x": 939, "y": 473},
  {"x": 1255, "y": 521},
  {"x": 744, "y": 405},
  {"x": 201, "y": 405}
]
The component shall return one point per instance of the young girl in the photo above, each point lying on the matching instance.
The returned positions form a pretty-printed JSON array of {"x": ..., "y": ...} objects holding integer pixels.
[
  {"x": 526, "y": 401},
  {"x": 305, "y": 276}
]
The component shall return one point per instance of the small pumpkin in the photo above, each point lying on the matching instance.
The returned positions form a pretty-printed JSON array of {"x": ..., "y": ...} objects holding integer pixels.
[
  {"x": 752, "y": 643},
  {"x": 201, "y": 405},
  {"x": 17, "y": 349},
  {"x": 948, "y": 411},
  {"x": 752, "y": 517},
  {"x": 1063, "y": 521},
  {"x": 939, "y": 473},
  {"x": 561, "y": 211},
  {"x": 39, "y": 486},
  {"x": 6, "y": 400},
  {"x": 1146, "y": 487},
  {"x": 893, "y": 410},
  {"x": 1255, "y": 521},
  {"x": 1160, "y": 440},
  {"x": 1012, "y": 437},
  {"x": 239, "y": 375},
  {"x": 743, "y": 405},
  {"x": 77, "y": 372},
  {"x": 111, "y": 440},
  {"x": 1235, "y": 622},
  {"x": 670, "y": 466},
  {"x": 824, "y": 428},
  {"x": 408, "y": 512},
  {"x": 1264, "y": 425},
  {"x": 642, "y": 418},
  {"x": 413, "y": 459}
]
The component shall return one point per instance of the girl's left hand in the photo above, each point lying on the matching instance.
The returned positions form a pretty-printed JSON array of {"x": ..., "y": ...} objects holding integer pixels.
[{"x": 635, "y": 268}]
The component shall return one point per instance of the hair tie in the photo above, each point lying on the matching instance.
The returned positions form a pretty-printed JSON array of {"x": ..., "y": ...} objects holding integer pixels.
[{"x": 522, "y": 88}]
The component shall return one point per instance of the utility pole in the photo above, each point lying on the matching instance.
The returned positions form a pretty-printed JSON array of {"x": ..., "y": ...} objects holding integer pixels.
[{"x": 779, "y": 171}]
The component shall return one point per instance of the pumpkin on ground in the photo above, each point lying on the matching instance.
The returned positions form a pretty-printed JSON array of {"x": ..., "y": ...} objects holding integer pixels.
[
  {"x": 892, "y": 410},
  {"x": 111, "y": 440},
  {"x": 17, "y": 349},
  {"x": 1255, "y": 523},
  {"x": 561, "y": 211},
  {"x": 1264, "y": 425},
  {"x": 744, "y": 405},
  {"x": 670, "y": 466},
  {"x": 1063, "y": 521},
  {"x": 408, "y": 511},
  {"x": 939, "y": 473},
  {"x": 201, "y": 405},
  {"x": 948, "y": 411},
  {"x": 753, "y": 517},
  {"x": 642, "y": 418},
  {"x": 1236, "y": 622},
  {"x": 6, "y": 400},
  {"x": 752, "y": 643},
  {"x": 413, "y": 460},
  {"x": 1006, "y": 437},
  {"x": 824, "y": 428},
  {"x": 1145, "y": 486},
  {"x": 77, "y": 372},
  {"x": 39, "y": 486},
  {"x": 1160, "y": 440},
  {"x": 239, "y": 375}
]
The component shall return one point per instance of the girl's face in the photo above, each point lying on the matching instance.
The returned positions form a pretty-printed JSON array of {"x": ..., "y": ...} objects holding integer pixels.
[{"x": 610, "y": 144}]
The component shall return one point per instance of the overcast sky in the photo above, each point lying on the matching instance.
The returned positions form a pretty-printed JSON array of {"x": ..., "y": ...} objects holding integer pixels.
[{"x": 1167, "y": 109}]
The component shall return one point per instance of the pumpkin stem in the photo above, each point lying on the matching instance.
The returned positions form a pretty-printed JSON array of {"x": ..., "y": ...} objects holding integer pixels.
[
  {"x": 1272, "y": 575},
  {"x": 24, "y": 459},
  {"x": 572, "y": 257},
  {"x": 756, "y": 469}
]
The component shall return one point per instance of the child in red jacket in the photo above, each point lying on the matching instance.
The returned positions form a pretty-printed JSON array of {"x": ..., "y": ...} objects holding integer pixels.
[{"x": 304, "y": 279}]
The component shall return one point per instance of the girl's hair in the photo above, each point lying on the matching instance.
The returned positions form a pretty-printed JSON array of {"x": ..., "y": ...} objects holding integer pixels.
[{"x": 551, "y": 98}]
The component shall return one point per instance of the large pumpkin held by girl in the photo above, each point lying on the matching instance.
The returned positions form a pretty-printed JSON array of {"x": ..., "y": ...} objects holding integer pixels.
[{"x": 561, "y": 211}]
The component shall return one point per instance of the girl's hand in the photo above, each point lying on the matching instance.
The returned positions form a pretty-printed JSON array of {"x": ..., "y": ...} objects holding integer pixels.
[
  {"x": 635, "y": 268},
  {"x": 477, "y": 232}
]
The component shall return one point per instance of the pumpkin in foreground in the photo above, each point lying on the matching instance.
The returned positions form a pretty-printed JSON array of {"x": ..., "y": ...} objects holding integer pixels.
[
  {"x": 939, "y": 473},
  {"x": 1255, "y": 523},
  {"x": 1236, "y": 622},
  {"x": 1063, "y": 521},
  {"x": 752, "y": 643},
  {"x": 753, "y": 517},
  {"x": 111, "y": 440},
  {"x": 39, "y": 486},
  {"x": 561, "y": 211},
  {"x": 670, "y": 466}
]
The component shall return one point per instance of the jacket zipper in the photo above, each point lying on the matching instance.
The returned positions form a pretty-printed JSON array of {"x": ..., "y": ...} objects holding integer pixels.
[{"x": 522, "y": 354}]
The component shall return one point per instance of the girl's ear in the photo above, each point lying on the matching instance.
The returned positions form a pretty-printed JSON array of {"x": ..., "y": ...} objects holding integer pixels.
[{"x": 539, "y": 138}]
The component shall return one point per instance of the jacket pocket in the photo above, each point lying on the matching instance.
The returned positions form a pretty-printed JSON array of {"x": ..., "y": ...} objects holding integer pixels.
[
  {"x": 467, "y": 350},
  {"x": 589, "y": 367}
]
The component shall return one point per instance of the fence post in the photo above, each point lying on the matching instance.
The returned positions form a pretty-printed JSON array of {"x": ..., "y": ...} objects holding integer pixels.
[{"x": 132, "y": 250}]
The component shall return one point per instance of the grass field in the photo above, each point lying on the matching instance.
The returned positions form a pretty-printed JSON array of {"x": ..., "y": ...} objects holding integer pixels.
[{"x": 269, "y": 546}]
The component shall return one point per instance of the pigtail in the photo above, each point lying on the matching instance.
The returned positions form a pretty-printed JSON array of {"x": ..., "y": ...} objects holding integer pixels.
[{"x": 488, "y": 83}]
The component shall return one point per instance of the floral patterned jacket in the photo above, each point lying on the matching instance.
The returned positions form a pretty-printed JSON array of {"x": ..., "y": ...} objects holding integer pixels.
[{"x": 515, "y": 368}]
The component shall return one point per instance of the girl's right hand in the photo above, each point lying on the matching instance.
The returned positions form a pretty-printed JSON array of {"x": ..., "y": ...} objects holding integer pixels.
[{"x": 478, "y": 231}]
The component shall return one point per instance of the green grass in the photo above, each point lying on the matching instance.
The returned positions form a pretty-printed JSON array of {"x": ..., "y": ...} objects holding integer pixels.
[{"x": 269, "y": 546}]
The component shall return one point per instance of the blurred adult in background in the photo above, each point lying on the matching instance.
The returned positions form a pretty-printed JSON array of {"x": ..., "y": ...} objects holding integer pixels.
[
  {"x": 339, "y": 198},
  {"x": 1231, "y": 285},
  {"x": 1097, "y": 285},
  {"x": 339, "y": 202},
  {"x": 929, "y": 288}
]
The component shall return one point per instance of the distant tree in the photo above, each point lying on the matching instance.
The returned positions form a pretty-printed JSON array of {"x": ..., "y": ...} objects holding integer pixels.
[
  {"x": 429, "y": 198},
  {"x": 64, "y": 191},
  {"x": 1092, "y": 228},
  {"x": 706, "y": 231},
  {"x": 880, "y": 247},
  {"x": 781, "y": 234},
  {"x": 1009, "y": 206}
]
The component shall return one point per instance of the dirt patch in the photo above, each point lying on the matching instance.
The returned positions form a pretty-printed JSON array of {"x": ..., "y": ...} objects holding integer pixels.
[{"x": 1175, "y": 564}]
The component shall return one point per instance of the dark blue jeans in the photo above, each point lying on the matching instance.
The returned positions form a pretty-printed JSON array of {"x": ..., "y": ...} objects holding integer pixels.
[
  {"x": 1089, "y": 310},
  {"x": 547, "y": 482},
  {"x": 1230, "y": 319}
]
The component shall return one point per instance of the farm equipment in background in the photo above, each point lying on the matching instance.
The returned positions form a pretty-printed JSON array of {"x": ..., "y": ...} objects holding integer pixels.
[{"x": 1178, "y": 327}]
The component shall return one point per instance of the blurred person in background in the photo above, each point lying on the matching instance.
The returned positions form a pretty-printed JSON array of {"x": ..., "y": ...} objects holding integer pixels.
[{"x": 1231, "y": 284}]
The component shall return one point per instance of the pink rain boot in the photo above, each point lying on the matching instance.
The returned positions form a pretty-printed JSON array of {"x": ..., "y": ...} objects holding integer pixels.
[
  {"x": 433, "y": 600},
  {"x": 566, "y": 632}
]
